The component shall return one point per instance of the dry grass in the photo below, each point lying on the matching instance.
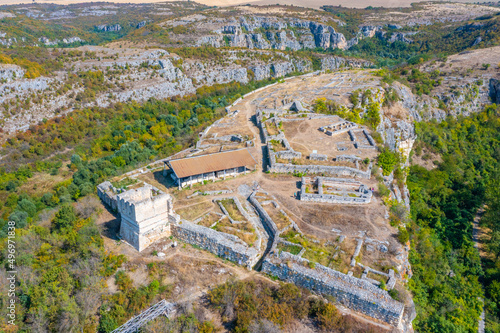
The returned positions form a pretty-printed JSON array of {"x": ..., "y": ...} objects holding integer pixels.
[
  {"x": 277, "y": 145},
  {"x": 194, "y": 211},
  {"x": 243, "y": 230},
  {"x": 232, "y": 209},
  {"x": 209, "y": 219},
  {"x": 271, "y": 128},
  {"x": 41, "y": 183},
  {"x": 277, "y": 216},
  {"x": 324, "y": 253}
]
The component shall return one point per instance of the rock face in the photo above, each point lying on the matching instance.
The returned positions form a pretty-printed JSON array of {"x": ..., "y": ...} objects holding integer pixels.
[
  {"x": 214, "y": 41},
  {"x": 261, "y": 72},
  {"x": 401, "y": 37},
  {"x": 70, "y": 40},
  {"x": 495, "y": 90},
  {"x": 108, "y": 28},
  {"x": 280, "y": 34},
  {"x": 334, "y": 63},
  {"x": 369, "y": 30},
  {"x": 222, "y": 75},
  {"x": 9, "y": 73}
]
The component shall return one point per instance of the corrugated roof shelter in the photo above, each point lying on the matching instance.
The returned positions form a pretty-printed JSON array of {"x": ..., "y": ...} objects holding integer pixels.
[{"x": 211, "y": 166}]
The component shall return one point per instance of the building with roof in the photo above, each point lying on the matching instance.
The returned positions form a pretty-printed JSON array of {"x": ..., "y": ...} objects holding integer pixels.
[{"x": 195, "y": 169}]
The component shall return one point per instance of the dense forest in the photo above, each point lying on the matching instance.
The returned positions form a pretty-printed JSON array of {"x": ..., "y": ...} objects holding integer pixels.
[{"x": 450, "y": 279}]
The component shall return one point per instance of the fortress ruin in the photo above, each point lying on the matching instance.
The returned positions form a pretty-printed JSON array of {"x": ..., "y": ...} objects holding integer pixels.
[{"x": 146, "y": 213}]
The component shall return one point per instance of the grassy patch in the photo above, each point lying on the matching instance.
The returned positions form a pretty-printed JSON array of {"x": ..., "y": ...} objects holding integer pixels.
[
  {"x": 124, "y": 183},
  {"x": 209, "y": 219},
  {"x": 317, "y": 251},
  {"x": 243, "y": 231},
  {"x": 272, "y": 129},
  {"x": 232, "y": 209},
  {"x": 194, "y": 211},
  {"x": 293, "y": 249}
]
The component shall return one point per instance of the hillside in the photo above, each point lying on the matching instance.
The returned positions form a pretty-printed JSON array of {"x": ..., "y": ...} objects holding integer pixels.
[{"x": 365, "y": 144}]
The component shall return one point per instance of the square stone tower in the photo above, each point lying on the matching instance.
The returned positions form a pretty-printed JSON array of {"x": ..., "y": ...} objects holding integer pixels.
[{"x": 146, "y": 214}]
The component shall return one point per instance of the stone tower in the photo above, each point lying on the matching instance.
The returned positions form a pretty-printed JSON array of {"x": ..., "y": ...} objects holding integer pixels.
[{"x": 146, "y": 214}]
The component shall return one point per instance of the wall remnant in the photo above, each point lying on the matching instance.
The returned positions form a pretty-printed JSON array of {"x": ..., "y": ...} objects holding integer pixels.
[
  {"x": 221, "y": 244},
  {"x": 354, "y": 293}
]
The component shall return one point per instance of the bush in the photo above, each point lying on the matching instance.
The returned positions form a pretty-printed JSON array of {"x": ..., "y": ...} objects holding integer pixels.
[
  {"x": 329, "y": 317},
  {"x": 403, "y": 235},
  {"x": 387, "y": 160},
  {"x": 64, "y": 218}
]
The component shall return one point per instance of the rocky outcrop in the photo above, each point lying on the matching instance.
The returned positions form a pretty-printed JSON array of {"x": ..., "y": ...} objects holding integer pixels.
[
  {"x": 370, "y": 30},
  {"x": 7, "y": 41},
  {"x": 334, "y": 63},
  {"x": 9, "y": 73},
  {"x": 108, "y": 28},
  {"x": 281, "y": 69},
  {"x": 278, "y": 34},
  {"x": 223, "y": 75},
  {"x": 401, "y": 37},
  {"x": 261, "y": 72},
  {"x": 214, "y": 41},
  {"x": 70, "y": 40}
]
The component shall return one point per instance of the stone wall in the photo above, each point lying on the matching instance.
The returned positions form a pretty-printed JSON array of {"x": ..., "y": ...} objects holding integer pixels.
[
  {"x": 107, "y": 193},
  {"x": 362, "y": 196},
  {"x": 269, "y": 224},
  {"x": 369, "y": 138},
  {"x": 316, "y": 169},
  {"x": 348, "y": 158},
  {"x": 223, "y": 245},
  {"x": 318, "y": 157},
  {"x": 352, "y": 292}
]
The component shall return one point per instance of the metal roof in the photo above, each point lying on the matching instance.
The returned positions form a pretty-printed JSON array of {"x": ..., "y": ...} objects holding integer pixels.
[{"x": 196, "y": 165}]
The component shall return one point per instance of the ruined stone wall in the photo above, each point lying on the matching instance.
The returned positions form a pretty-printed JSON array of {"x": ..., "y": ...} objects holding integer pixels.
[
  {"x": 223, "y": 245},
  {"x": 363, "y": 196},
  {"x": 319, "y": 169},
  {"x": 369, "y": 138},
  {"x": 352, "y": 292},
  {"x": 268, "y": 221},
  {"x": 288, "y": 154},
  {"x": 106, "y": 192},
  {"x": 145, "y": 213},
  {"x": 348, "y": 158},
  {"x": 330, "y": 198}
]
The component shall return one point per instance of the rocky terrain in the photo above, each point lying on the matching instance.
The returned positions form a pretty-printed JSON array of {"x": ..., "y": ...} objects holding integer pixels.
[
  {"x": 131, "y": 74},
  {"x": 333, "y": 102}
]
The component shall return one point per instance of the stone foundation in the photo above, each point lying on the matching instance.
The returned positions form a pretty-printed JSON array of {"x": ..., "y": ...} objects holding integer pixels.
[{"x": 360, "y": 196}]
